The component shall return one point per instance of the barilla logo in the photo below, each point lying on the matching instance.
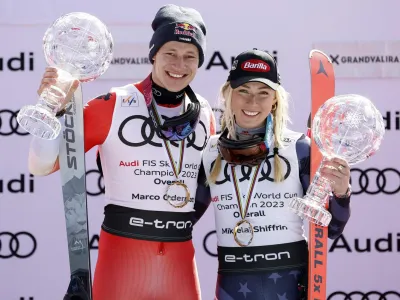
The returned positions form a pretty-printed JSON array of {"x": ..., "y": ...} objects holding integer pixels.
[
  {"x": 255, "y": 65},
  {"x": 185, "y": 29},
  {"x": 130, "y": 101}
]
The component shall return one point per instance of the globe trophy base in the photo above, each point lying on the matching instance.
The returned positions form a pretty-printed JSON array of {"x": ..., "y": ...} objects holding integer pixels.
[
  {"x": 39, "y": 122},
  {"x": 310, "y": 210}
]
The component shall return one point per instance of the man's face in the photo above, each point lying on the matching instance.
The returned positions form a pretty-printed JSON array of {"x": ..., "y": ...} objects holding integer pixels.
[{"x": 175, "y": 65}]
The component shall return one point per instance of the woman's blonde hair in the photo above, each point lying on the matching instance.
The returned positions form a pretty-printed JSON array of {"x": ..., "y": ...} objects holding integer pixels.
[{"x": 280, "y": 117}]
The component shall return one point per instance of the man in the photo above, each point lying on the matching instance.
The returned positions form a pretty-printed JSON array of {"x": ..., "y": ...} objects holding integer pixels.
[{"x": 150, "y": 136}]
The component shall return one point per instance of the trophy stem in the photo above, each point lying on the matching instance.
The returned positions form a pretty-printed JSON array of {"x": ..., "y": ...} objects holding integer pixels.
[
  {"x": 312, "y": 206},
  {"x": 319, "y": 188},
  {"x": 53, "y": 97},
  {"x": 40, "y": 119}
]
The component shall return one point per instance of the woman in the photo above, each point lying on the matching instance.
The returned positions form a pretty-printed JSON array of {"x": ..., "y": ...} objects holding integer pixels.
[
  {"x": 150, "y": 166},
  {"x": 254, "y": 168}
]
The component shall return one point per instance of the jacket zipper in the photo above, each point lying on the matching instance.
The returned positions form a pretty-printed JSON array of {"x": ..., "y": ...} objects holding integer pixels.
[{"x": 161, "y": 248}]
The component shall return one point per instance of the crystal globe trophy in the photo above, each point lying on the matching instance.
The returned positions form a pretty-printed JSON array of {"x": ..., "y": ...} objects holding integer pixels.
[
  {"x": 348, "y": 127},
  {"x": 80, "y": 47}
]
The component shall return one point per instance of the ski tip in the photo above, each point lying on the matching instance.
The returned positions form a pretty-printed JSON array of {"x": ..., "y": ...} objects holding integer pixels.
[{"x": 314, "y": 51}]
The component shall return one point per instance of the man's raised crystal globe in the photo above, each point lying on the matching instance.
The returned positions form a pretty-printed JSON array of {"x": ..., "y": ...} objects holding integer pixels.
[
  {"x": 80, "y": 47},
  {"x": 80, "y": 44}
]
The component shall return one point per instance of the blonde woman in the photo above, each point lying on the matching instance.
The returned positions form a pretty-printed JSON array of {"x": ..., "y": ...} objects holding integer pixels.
[{"x": 254, "y": 168}]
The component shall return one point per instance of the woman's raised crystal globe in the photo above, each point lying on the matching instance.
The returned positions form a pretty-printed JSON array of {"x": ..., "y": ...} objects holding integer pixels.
[{"x": 349, "y": 127}]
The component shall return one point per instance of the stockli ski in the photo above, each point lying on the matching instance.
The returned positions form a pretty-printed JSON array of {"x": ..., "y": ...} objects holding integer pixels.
[{"x": 73, "y": 176}]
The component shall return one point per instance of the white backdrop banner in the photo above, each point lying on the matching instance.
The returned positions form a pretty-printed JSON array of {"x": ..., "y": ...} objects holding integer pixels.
[
  {"x": 130, "y": 61},
  {"x": 362, "y": 264},
  {"x": 364, "y": 59}
]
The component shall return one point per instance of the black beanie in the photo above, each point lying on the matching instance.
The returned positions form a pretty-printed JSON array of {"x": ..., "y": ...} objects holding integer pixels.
[{"x": 180, "y": 24}]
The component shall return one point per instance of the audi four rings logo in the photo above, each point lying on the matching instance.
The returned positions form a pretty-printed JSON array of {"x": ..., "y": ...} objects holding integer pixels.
[
  {"x": 156, "y": 92},
  {"x": 246, "y": 171},
  {"x": 9, "y": 124},
  {"x": 206, "y": 243},
  {"x": 20, "y": 245},
  {"x": 373, "y": 181},
  {"x": 147, "y": 131},
  {"x": 374, "y": 295},
  {"x": 100, "y": 189}
]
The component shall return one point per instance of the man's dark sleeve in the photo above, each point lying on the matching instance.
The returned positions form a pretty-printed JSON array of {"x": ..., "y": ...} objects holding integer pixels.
[{"x": 203, "y": 195}]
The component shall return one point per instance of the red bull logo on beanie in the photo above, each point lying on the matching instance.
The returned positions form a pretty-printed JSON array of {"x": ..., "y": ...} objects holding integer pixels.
[
  {"x": 255, "y": 65},
  {"x": 185, "y": 26},
  {"x": 185, "y": 29}
]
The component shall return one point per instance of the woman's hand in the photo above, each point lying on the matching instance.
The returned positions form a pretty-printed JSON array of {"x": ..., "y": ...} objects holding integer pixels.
[{"x": 337, "y": 171}]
